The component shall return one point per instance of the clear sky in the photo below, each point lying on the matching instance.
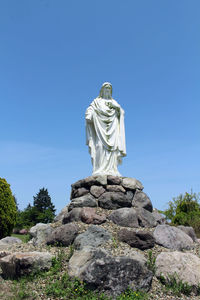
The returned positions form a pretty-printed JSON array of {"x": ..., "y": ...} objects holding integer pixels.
[{"x": 54, "y": 57}]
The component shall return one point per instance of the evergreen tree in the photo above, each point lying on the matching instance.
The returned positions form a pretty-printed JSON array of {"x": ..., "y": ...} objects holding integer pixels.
[{"x": 44, "y": 210}]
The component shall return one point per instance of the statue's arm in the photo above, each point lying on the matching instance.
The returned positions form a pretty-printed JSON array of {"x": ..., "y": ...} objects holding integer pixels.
[{"x": 89, "y": 114}]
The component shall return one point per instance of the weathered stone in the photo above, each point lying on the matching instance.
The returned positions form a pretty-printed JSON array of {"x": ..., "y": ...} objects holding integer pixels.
[
  {"x": 9, "y": 240},
  {"x": 171, "y": 237},
  {"x": 89, "y": 216},
  {"x": 40, "y": 233},
  {"x": 78, "y": 192},
  {"x": 160, "y": 219},
  {"x": 189, "y": 231},
  {"x": 184, "y": 266},
  {"x": 108, "y": 274},
  {"x": 141, "y": 200},
  {"x": 94, "y": 236},
  {"x": 114, "y": 179},
  {"x": 61, "y": 215},
  {"x": 141, "y": 240},
  {"x": 73, "y": 216},
  {"x": 96, "y": 190},
  {"x": 130, "y": 194},
  {"x": 132, "y": 184},
  {"x": 115, "y": 188},
  {"x": 112, "y": 200},
  {"x": 20, "y": 264},
  {"x": 145, "y": 218},
  {"x": 96, "y": 180},
  {"x": 126, "y": 217},
  {"x": 63, "y": 235},
  {"x": 4, "y": 253},
  {"x": 78, "y": 184},
  {"x": 84, "y": 201}
]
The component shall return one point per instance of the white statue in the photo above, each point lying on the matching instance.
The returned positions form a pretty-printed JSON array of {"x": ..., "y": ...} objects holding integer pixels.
[{"x": 105, "y": 134}]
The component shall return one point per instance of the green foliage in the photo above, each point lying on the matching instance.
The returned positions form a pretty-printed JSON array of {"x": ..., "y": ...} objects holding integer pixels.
[
  {"x": 176, "y": 285},
  {"x": 185, "y": 210},
  {"x": 42, "y": 211},
  {"x": 24, "y": 237},
  {"x": 8, "y": 209},
  {"x": 151, "y": 262},
  {"x": 133, "y": 295}
]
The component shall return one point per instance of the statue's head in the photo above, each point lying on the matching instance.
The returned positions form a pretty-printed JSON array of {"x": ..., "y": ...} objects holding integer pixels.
[{"x": 106, "y": 91}]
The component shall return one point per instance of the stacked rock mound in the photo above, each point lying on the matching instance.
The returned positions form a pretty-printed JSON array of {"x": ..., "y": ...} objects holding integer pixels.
[
  {"x": 111, "y": 224},
  {"x": 132, "y": 206}
]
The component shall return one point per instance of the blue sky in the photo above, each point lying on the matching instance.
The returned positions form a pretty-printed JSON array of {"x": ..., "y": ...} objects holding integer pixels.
[{"x": 54, "y": 57}]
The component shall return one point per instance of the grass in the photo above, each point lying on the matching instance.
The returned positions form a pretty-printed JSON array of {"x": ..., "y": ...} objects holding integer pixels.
[{"x": 24, "y": 237}]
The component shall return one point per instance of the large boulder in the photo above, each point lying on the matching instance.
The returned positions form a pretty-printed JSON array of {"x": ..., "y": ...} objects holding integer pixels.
[
  {"x": 140, "y": 239},
  {"x": 108, "y": 274},
  {"x": 189, "y": 231},
  {"x": 94, "y": 236},
  {"x": 61, "y": 215},
  {"x": 78, "y": 192},
  {"x": 20, "y": 264},
  {"x": 97, "y": 191},
  {"x": 40, "y": 233},
  {"x": 132, "y": 183},
  {"x": 145, "y": 218},
  {"x": 73, "y": 216},
  {"x": 114, "y": 180},
  {"x": 63, "y": 235},
  {"x": 9, "y": 241},
  {"x": 160, "y": 219},
  {"x": 84, "y": 201},
  {"x": 172, "y": 237},
  {"x": 141, "y": 200},
  {"x": 126, "y": 217},
  {"x": 114, "y": 200},
  {"x": 184, "y": 266}
]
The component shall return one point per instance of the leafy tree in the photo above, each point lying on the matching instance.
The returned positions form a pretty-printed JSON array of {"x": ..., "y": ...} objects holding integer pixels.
[
  {"x": 8, "y": 210},
  {"x": 185, "y": 210}
]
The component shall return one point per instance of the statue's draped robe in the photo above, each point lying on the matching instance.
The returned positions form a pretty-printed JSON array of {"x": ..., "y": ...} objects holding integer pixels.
[{"x": 105, "y": 136}]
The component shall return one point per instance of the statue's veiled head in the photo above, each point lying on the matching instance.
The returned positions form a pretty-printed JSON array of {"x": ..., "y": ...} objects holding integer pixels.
[{"x": 106, "y": 91}]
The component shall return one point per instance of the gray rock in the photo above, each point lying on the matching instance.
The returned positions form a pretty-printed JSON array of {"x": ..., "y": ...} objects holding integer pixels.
[
  {"x": 73, "y": 216},
  {"x": 97, "y": 191},
  {"x": 189, "y": 231},
  {"x": 20, "y": 264},
  {"x": 129, "y": 195},
  {"x": 84, "y": 201},
  {"x": 171, "y": 237},
  {"x": 9, "y": 240},
  {"x": 140, "y": 239},
  {"x": 61, "y": 215},
  {"x": 160, "y": 219},
  {"x": 108, "y": 274},
  {"x": 78, "y": 192},
  {"x": 145, "y": 218},
  {"x": 113, "y": 200},
  {"x": 114, "y": 180},
  {"x": 40, "y": 233},
  {"x": 126, "y": 217},
  {"x": 115, "y": 188},
  {"x": 141, "y": 200},
  {"x": 63, "y": 235},
  {"x": 94, "y": 236},
  {"x": 89, "y": 181},
  {"x": 131, "y": 183},
  {"x": 184, "y": 266}
]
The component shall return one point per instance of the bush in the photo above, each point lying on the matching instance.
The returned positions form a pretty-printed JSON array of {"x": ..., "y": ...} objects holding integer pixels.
[
  {"x": 8, "y": 210},
  {"x": 185, "y": 210}
]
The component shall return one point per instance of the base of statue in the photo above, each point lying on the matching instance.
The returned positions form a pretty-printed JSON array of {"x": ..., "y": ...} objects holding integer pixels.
[{"x": 124, "y": 195}]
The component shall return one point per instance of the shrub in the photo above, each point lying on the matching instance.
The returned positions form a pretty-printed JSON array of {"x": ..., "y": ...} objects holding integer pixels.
[{"x": 8, "y": 210}]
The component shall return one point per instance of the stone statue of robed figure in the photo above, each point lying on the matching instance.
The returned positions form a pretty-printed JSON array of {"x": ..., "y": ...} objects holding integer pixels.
[{"x": 105, "y": 134}]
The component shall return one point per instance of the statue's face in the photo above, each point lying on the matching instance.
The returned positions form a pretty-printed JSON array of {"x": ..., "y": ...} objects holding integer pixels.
[{"x": 107, "y": 92}]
